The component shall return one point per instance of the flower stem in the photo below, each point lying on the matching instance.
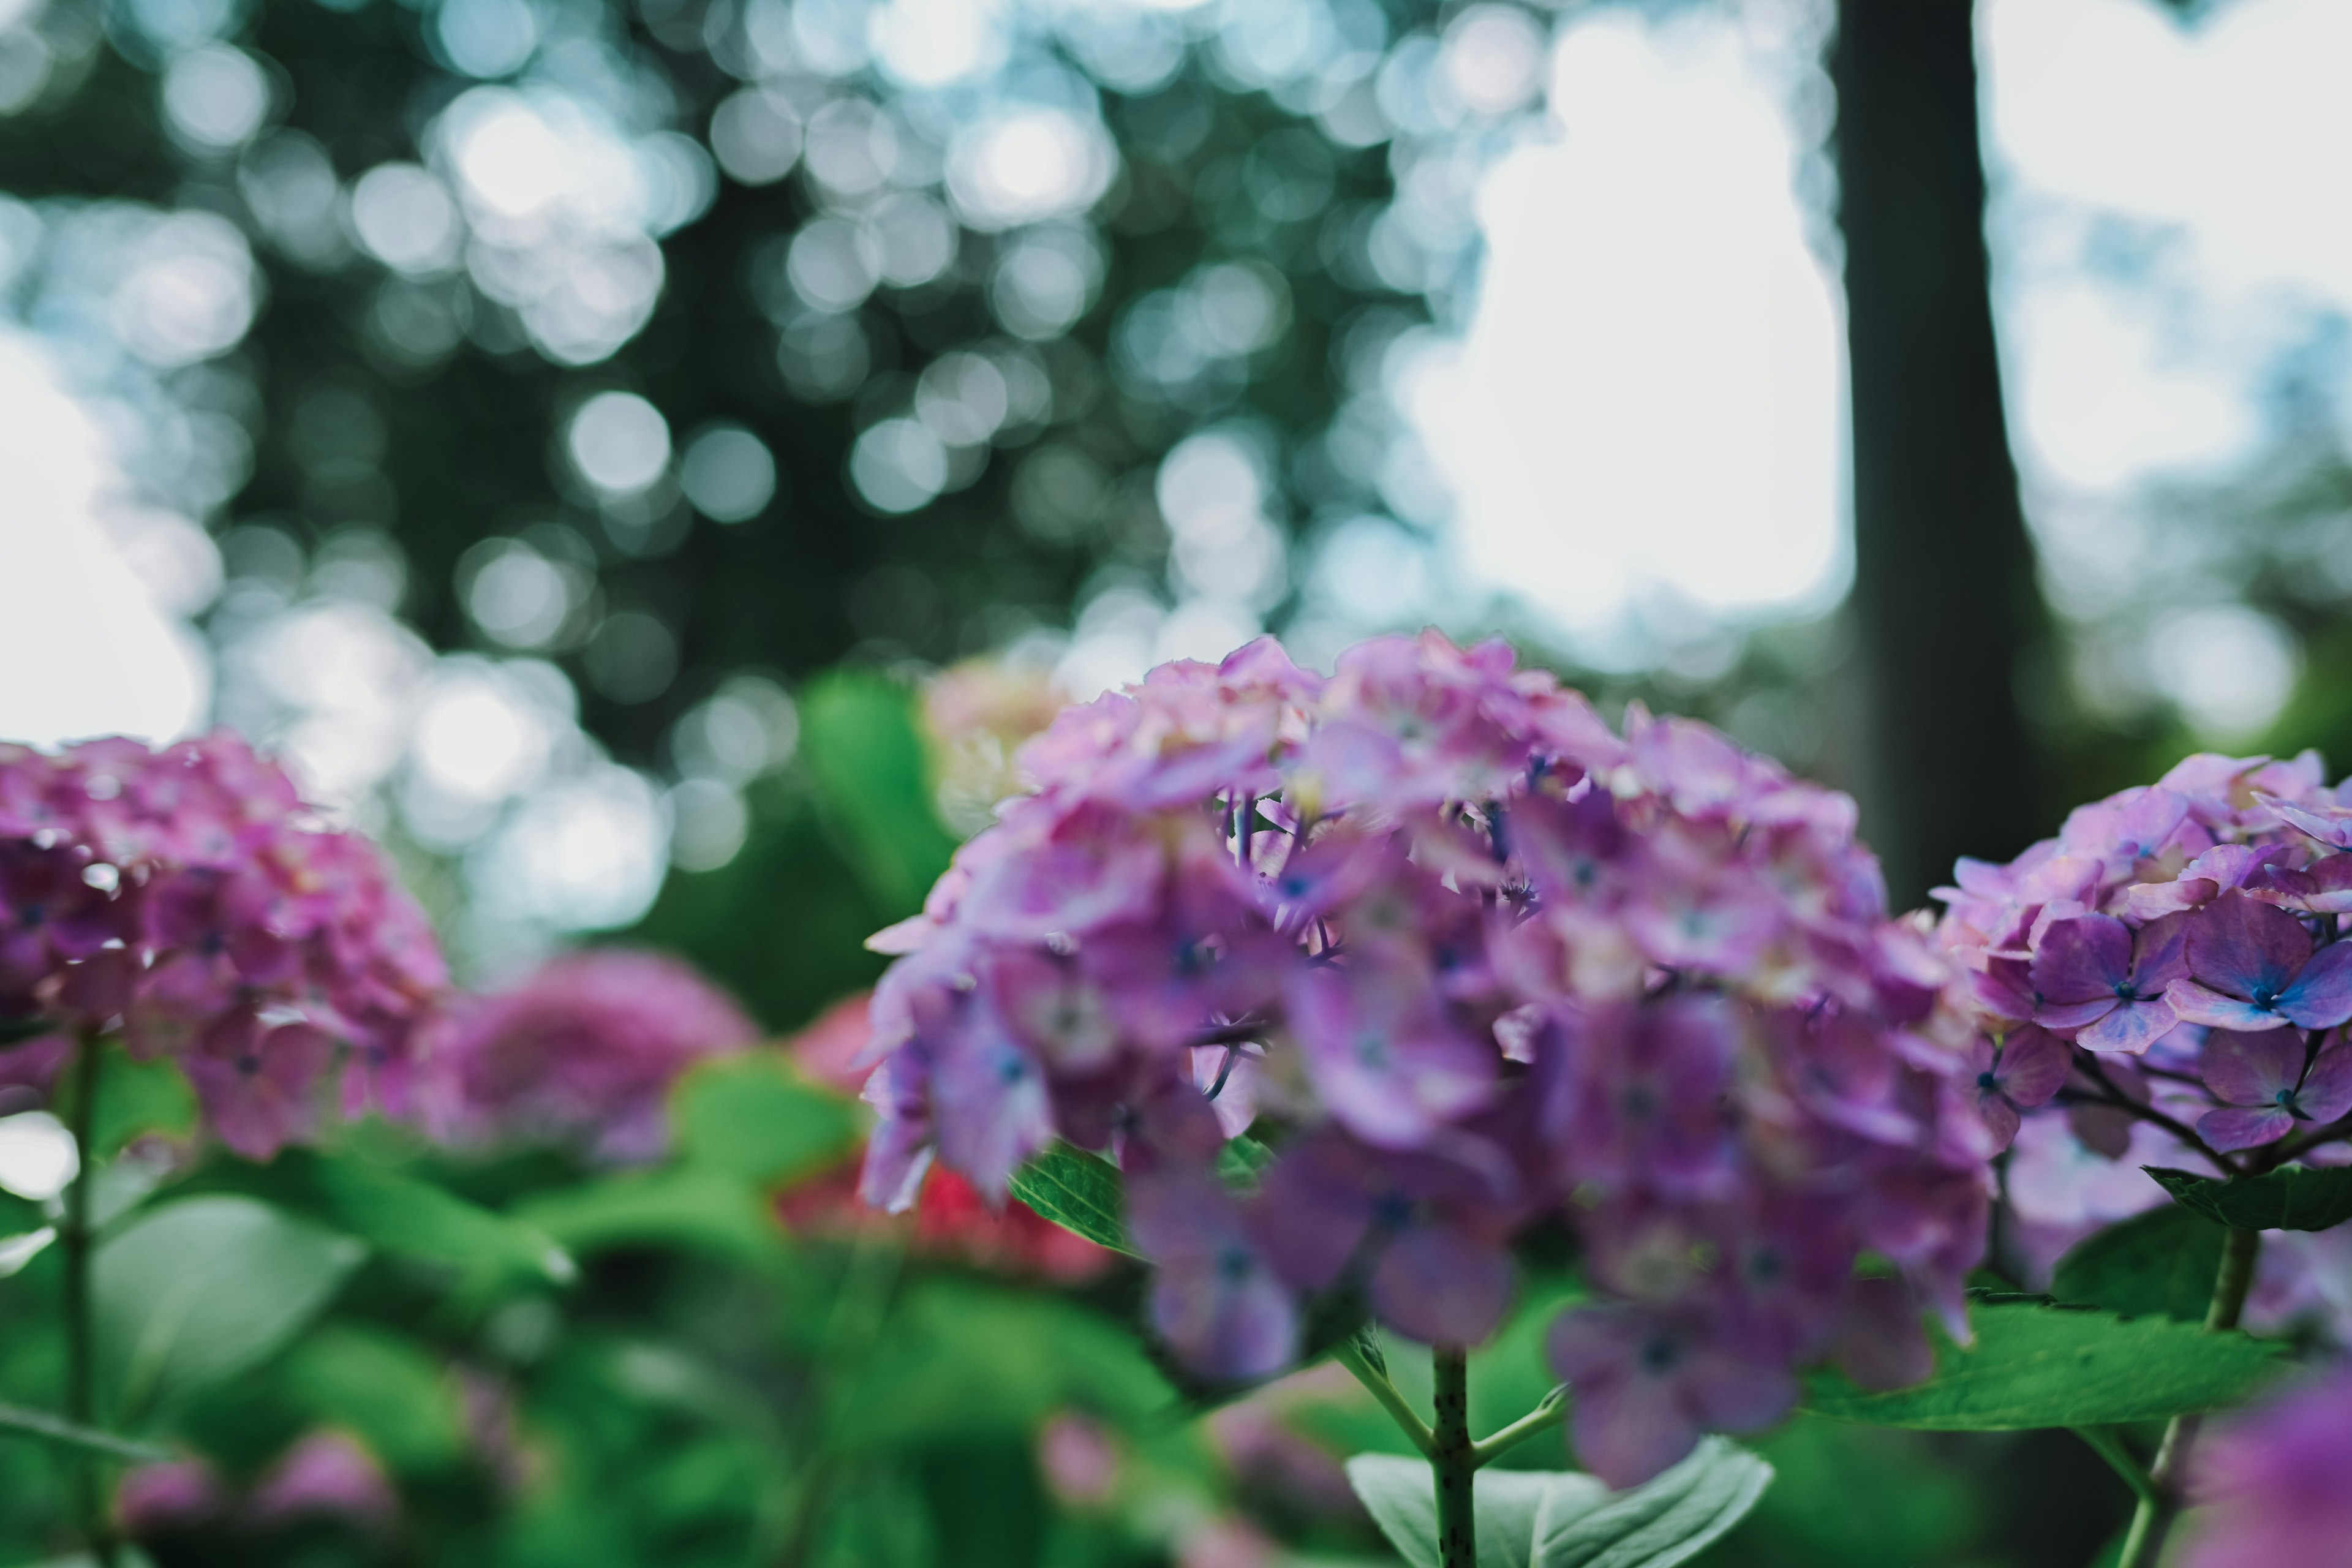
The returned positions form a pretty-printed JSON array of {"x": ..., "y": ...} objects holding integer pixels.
[
  {"x": 1545, "y": 1416},
  {"x": 1454, "y": 1459},
  {"x": 76, "y": 1243},
  {"x": 2161, "y": 1502},
  {"x": 1376, "y": 1380}
]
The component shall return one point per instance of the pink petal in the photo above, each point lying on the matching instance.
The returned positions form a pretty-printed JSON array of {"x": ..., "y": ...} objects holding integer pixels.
[{"x": 2000, "y": 1118}]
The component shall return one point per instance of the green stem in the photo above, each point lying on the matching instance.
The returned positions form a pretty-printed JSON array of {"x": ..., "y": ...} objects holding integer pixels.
[
  {"x": 76, "y": 1243},
  {"x": 1455, "y": 1460},
  {"x": 2161, "y": 1502},
  {"x": 1381, "y": 1389},
  {"x": 2104, "y": 1442},
  {"x": 1543, "y": 1418}
]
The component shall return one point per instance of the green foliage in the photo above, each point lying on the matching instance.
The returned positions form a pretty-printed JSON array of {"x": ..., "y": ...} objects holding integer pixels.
[
  {"x": 14, "y": 1419},
  {"x": 752, "y": 1118},
  {"x": 2036, "y": 1365},
  {"x": 386, "y": 1386},
  {"x": 2319, "y": 1198},
  {"x": 197, "y": 1291},
  {"x": 859, "y": 744},
  {"x": 958, "y": 1359},
  {"x": 136, "y": 1098},
  {"x": 1549, "y": 1519},
  {"x": 694, "y": 1209},
  {"x": 2162, "y": 1262},
  {"x": 1079, "y": 1192}
]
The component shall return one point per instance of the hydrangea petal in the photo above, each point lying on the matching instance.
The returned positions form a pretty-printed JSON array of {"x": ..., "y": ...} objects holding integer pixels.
[{"x": 2321, "y": 997}]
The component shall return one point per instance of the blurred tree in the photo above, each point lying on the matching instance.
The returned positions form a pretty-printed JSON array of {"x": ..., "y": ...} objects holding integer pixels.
[{"x": 1944, "y": 591}]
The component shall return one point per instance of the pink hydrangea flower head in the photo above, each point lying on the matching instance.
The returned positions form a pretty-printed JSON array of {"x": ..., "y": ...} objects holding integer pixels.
[
  {"x": 584, "y": 1049},
  {"x": 1469, "y": 959},
  {"x": 187, "y": 898}
]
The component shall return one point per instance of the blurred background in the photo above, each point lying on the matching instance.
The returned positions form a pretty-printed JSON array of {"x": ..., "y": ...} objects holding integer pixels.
[{"x": 650, "y": 461}]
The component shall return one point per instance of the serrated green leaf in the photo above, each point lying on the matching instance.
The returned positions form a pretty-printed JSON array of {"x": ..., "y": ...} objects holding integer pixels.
[
  {"x": 409, "y": 1217},
  {"x": 1079, "y": 1192},
  {"x": 2162, "y": 1262},
  {"x": 1665, "y": 1520},
  {"x": 751, "y": 1117},
  {"x": 2305, "y": 1199},
  {"x": 2036, "y": 1365},
  {"x": 1400, "y": 1494},
  {"x": 197, "y": 1291}
]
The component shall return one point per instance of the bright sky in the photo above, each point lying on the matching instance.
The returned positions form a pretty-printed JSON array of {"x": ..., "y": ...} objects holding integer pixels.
[
  {"x": 1646, "y": 409},
  {"x": 84, "y": 649}
]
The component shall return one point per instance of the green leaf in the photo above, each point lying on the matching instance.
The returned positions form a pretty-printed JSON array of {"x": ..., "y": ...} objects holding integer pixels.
[
  {"x": 860, "y": 746},
  {"x": 701, "y": 1211},
  {"x": 1079, "y": 1192},
  {"x": 2036, "y": 1365},
  {"x": 388, "y": 1388},
  {"x": 751, "y": 1117},
  {"x": 2160, "y": 1262},
  {"x": 135, "y": 1098},
  {"x": 2305, "y": 1199},
  {"x": 1242, "y": 1160},
  {"x": 1400, "y": 1494},
  {"x": 1668, "y": 1520},
  {"x": 409, "y": 1217},
  {"x": 197, "y": 1291},
  {"x": 65, "y": 1434}
]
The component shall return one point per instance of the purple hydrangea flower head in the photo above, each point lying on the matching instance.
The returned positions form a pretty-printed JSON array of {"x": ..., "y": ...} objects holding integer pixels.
[
  {"x": 188, "y": 899},
  {"x": 2182, "y": 940},
  {"x": 2271, "y": 1484},
  {"x": 1468, "y": 961},
  {"x": 584, "y": 1050}
]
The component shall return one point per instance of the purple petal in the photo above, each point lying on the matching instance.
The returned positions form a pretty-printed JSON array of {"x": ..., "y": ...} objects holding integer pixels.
[
  {"x": 2253, "y": 1069},
  {"x": 2081, "y": 957},
  {"x": 2326, "y": 1092},
  {"x": 2033, "y": 1063},
  {"x": 2074, "y": 1015},
  {"x": 2160, "y": 954},
  {"x": 1628, "y": 1430},
  {"x": 1441, "y": 1287},
  {"x": 2245, "y": 947},
  {"x": 1736, "y": 1391},
  {"x": 2241, "y": 1127},
  {"x": 2321, "y": 997},
  {"x": 2192, "y": 1003},
  {"x": 2000, "y": 1118},
  {"x": 989, "y": 1101},
  {"x": 2333, "y": 828},
  {"x": 1229, "y": 1322},
  {"x": 2131, "y": 1028},
  {"x": 1880, "y": 1345}
]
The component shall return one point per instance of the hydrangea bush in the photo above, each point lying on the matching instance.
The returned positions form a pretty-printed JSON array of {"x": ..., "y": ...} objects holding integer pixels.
[
  {"x": 1345, "y": 1003},
  {"x": 185, "y": 900},
  {"x": 1471, "y": 962}
]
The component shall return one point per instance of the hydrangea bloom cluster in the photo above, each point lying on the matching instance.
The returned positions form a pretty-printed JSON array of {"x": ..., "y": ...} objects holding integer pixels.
[
  {"x": 2171, "y": 956},
  {"x": 187, "y": 898},
  {"x": 1467, "y": 960},
  {"x": 584, "y": 1051},
  {"x": 2273, "y": 1484}
]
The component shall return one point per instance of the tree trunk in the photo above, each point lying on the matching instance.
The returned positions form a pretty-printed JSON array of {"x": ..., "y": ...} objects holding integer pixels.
[{"x": 1945, "y": 598}]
